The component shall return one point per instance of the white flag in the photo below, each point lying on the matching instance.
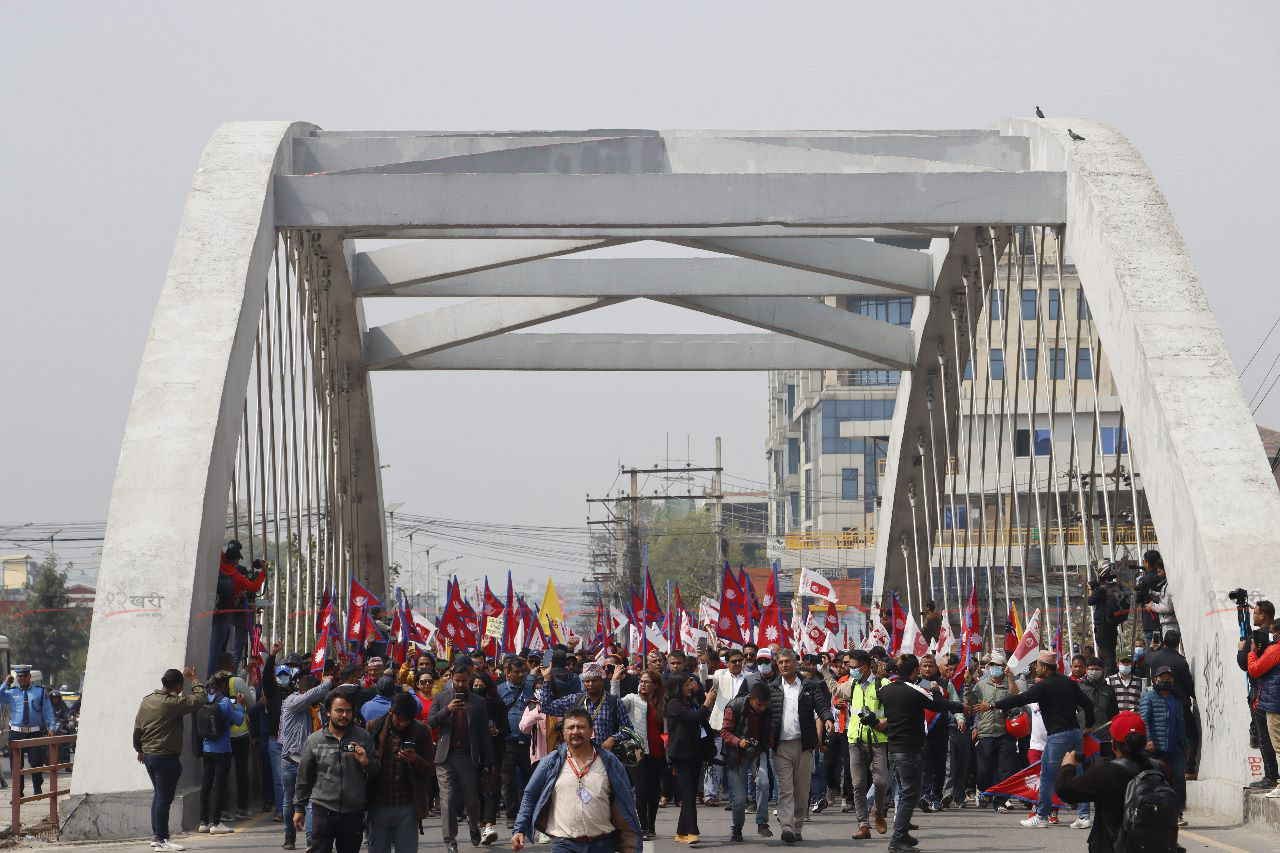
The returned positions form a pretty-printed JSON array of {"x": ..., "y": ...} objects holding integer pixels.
[
  {"x": 633, "y": 640},
  {"x": 878, "y": 636},
  {"x": 656, "y": 638},
  {"x": 945, "y": 640},
  {"x": 1028, "y": 647},
  {"x": 814, "y": 584},
  {"x": 708, "y": 611},
  {"x": 913, "y": 642}
]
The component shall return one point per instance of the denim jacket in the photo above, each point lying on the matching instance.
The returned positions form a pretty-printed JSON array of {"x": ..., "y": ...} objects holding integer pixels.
[{"x": 537, "y": 796}]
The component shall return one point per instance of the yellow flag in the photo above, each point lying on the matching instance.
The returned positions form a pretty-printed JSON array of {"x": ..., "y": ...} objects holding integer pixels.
[
  {"x": 1017, "y": 623},
  {"x": 551, "y": 616}
]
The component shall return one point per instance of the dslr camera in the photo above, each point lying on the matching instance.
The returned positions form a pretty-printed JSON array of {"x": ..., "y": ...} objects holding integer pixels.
[
  {"x": 1240, "y": 596},
  {"x": 868, "y": 718}
]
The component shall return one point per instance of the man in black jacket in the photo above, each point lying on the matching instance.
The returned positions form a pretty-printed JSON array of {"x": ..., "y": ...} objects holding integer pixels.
[
  {"x": 801, "y": 711},
  {"x": 1264, "y": 614},
  {"x": 745, "y": 733},
  {"x": 464, "y": 751},
  {"x": 904, "y": 705}
]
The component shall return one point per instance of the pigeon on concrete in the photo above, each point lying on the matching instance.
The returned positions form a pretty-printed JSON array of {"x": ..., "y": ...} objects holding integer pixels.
[
  {"x": 1075, "y": 137},
  {"x": 1039, "y": 113}
]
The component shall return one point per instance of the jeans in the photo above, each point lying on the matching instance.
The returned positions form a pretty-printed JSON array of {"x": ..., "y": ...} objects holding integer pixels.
[
  {"x": 1060, "y": 743},
  {"x": 219, "y": 633},
  {"x": 712, "y": 777},
  {"x": 164, "y": 771},
  {"x": 341, "y": 830},
  {"x": 868, "y": 763},
  {"x": 273, "y": 759},
  {"x": 288, "y": 779},
  {"x": 996, "y": 762},
  {"x": 213, "y": 786},
  {"x": 603, "y": 844},
  {"x": 687, "y": 772},
  {"x": 515, "y": 775},
  {"x": 393, "y": 827},
  {"x": 907, "y": 768},
  {"x": 739, "y": 779},
  {"x": 935, "y": 765},
  {"x": 1177, "y": 761},
  {"x": 818, "y": 778}
]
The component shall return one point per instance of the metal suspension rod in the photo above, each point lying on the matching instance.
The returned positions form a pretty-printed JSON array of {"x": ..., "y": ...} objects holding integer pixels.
[
  {"x": 949, "y": 472},
  {"x": 1009, "y": 422},
  {"x": 985, "y": 293},
  {"x": 272, "y": 322},
  {"x": 937, "y": 536}
]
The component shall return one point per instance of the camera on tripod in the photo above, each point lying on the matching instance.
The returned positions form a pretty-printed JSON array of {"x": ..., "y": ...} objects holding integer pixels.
[{"x": 1241, "y": 597}]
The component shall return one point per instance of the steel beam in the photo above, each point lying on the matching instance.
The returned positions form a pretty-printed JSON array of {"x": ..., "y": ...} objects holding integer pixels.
[
  {"x": 806, "y": 319},
  {"x": 907, "y": 270},
  {"x": 645, "y": 277},
  {"x": 383, "y": 270},
  {"x": 329, "y": 153},
  {"x": 534, "y": 351},
  {"x": 1011, "y": 153},
  {"x": 650, "y": 232},
  {"x": 896, "y": 198},
  {"x": 444, "y": 328}
]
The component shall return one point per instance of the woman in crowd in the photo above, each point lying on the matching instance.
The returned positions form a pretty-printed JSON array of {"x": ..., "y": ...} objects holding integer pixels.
[
  {"x": 648, "y": 721},
  {"x": 686, "y": 725}
]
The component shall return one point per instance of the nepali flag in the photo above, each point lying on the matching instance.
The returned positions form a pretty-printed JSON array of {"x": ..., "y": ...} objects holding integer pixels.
[
  {"x": 815, "y": 585},
  {"x": 459, "y": 624},
  {"x": 970, "y": 633},
  {"x": 326, "y": 604},
  {"x": 731, "y": 623},
  {"x": 833, "y": 619},
  {"x": 753, "y": 603},
  {"x": 899, "y": 625},
  {"x": 358, "y": 616},
  {"x": 493, "y": 605},
  {"x": 511, "y": 620},
  {"x": 770, "y": 630},
  {"x": 1025, "y": 784}
]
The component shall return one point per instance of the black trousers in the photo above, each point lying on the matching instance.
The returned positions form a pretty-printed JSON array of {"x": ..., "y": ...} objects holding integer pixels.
[
  {"x": 935, "y": 763},
  {"x": 688, "y": 773},
  {"x": 213, "y": 786},
  {"x": 515, "y": 775},
  {"x": 490, "y": 785},
  {"x": 1264, "y": 743},
  {"x": 836, "y": 764},
  {"x": 996, "y": 762},
  {"x": 38, "y": 756},
  {"x": 335, "y": 829},
  {"x": 240, "y": 759},
  {"x": 646, "y": 778}
]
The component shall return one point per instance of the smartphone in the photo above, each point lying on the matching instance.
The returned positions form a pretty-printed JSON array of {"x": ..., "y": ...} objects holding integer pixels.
[{"x": 408, "y": 745}]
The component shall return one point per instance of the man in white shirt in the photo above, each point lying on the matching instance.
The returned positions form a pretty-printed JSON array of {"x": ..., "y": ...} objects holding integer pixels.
[
  {"x": 731, "y": 682},
  {"x": 802, "y": 718}
]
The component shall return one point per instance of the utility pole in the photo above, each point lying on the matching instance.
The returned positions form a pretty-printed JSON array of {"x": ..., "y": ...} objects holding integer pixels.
[{"x": 719, "y": 490}]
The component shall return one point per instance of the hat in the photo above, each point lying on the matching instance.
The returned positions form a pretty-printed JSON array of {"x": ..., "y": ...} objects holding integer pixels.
[
  {"x": 764, "y": 653},
  {"x": 1161, "y": 671},
  {"x": 283, "y": 670},
  {"x": 592, "y": 670},
  {"x": 22, "y": 669},
  {"x": 998, "y": 659},
  {"x": 372, "y": 661},
  {"x": 1048, "y": 656},
  {"x": 1126, "y": 723},
  {"x": 220, "y": 675}
]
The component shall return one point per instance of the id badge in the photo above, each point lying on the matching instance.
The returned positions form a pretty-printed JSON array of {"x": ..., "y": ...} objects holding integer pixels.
[{"x": 584, "y": 795}]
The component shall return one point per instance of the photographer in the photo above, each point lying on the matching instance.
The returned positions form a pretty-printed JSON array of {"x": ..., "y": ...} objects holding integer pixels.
[
  {"x": 338, "y": 762},
  {"x": 747, "y": 725},
  {"x": 1151, "y": 579},
  {"x": 1252, "y": 649},
  {"x": 233, "y": 603},
  {"x": 1110, "y": 611}
]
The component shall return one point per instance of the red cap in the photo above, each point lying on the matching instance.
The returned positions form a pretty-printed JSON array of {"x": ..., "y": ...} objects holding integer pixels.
[{"x": 1125, "y": 723}]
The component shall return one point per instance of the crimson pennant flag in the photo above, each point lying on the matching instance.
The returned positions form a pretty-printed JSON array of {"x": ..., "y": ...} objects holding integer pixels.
[
  {"x": 458, "y": 624},
  {"x": 753, "y": 603},
  {"x": 970, "y": 631},
  {"x": 492, "y": 604},
  {"x": 650, "y": 606},
  {"x": 1023, "y": 785},
  {"x": 326, "y": 604},
  {"x": 733, "y": 614},
  {"x": 320, "y": 654},
  {"x": 512, "y": 622},
  {"x": 358, "y": 615},
  {"x": 770, "y": 629},
  {"x": 1010, "y": 634},
  {"x": 833, "y": 619},
  {"x": 899, "y": 625},
  {"x": 257, "y": 655}
]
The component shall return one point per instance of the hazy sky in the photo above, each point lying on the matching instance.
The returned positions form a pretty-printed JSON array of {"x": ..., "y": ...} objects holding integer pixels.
[{"x": 105, "y": 113}]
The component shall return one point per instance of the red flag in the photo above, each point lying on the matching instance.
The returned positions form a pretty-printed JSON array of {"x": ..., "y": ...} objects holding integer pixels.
[
  {"x": 492, "y": 604},
  {"x": 650, "y": 606},
  {"x": 326, "y": 604},
  {"x": 771, "y": 629},
  {"x": 361, "y": 600},
  {"x": 833, "y": 619},
  {"x": 749, "y": 590},
  {"x": 899, "y": 621},
  {"x": 513, "y": 620},
  {"x": 1023, "y": 785},
  {"x": 733, "y": 614},
  {"x": 1010, "y": 634},
  {"x": 459, "y": 623}
]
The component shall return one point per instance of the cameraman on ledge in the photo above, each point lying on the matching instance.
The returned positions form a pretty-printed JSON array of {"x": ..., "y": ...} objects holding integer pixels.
[
  {"x": 1264, "y": 614},
  {"x": 1110, "y": 610}
]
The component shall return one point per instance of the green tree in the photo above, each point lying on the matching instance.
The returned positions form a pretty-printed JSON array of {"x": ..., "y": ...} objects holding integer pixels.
[
  {"x": 682, "y": 549},
  {"x": 49, "y": 633}
]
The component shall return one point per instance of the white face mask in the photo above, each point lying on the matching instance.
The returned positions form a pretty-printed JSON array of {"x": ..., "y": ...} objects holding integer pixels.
[{"x": 1094, "y": 675}]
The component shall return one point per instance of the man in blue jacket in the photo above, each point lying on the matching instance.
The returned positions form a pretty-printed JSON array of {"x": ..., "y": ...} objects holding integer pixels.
[
  {"x": 515, "y": 692},
  {"x": 215, "y": 749},
  {"x": 580, "y": 796},
  {"x": 1162, "y": 713},
  {"x": 30, "y": 716}
]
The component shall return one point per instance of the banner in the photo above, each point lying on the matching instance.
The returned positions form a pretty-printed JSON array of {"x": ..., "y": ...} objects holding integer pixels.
[{"x": 816, "y": 586}]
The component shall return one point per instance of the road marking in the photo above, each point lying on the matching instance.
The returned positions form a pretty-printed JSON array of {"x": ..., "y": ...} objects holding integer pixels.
[{"x": 1211, "y": 842}]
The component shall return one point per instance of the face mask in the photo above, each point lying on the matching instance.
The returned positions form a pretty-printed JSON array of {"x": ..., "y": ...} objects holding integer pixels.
[
  {"x": 1164, "y": 686},
  {"x": 1094, "y": 674},
  {"x": 283, "y": 679},
  {"x": 1139, "y": 652},
  {"x": 765, "y": 668},
  {"x": 1125, "y": 669},
  {"x": 996, "y": 671}
]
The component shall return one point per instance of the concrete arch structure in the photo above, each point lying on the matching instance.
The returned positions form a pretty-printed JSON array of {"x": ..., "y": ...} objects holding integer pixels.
[{"x": 495, "y": 215}]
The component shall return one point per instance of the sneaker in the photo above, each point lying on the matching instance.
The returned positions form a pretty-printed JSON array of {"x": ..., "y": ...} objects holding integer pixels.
[
  {"x": 1053, "y": 818},
  {"x": 220, "y": 829},
  {"x": 847, "y": 808},
  {"x": 819, "y": 806},
  {"x": 170, "y": 846},
  {"x": 449, "y": 846},
  {"x": 1273, "y": 794},
  {"x": 277, "y": 817},
  {"x": 155, "y": 845},
  {"x": 1182, "y": 821},
  {"x": 910, "y": 841},
  {"x": 925, "y": 806},
  {"x": 1034, "y": 822},
  {"x": 204, "y": 827},
  {"x": 488, "y": 835},
  {"x": 735, "y": 835},
  {"x": 648, "y": 836},
  {"x": 1263, "y": 784},
  {"x": 1082, "y": 823},
  {"x": 728, "y": 807},
  {"x": 751, "y": 807},
  {"x": 788, "y": 837},
  {"x": 241, "y": 814},
  {"x": 948, "y": 802},
  {"x": 763, "y": 830},
  {"x": 289, "y": 845},
  {"x": 1003, "y": 809}
]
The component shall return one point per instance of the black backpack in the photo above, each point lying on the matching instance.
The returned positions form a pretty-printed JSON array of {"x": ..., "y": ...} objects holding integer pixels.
[
  {"x": 1150, "y": 822},
  {"x": 226, "y": 592},
  {"x": 210, "y": 723}
]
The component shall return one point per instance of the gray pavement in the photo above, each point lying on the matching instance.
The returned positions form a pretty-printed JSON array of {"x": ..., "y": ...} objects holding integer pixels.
[{"x": 955, "y": 831}]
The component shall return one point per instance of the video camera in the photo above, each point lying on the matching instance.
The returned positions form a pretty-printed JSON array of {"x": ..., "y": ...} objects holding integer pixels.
[
  {"x": 1240, "y": 596},
  {"x": 1106, "y": 574}
]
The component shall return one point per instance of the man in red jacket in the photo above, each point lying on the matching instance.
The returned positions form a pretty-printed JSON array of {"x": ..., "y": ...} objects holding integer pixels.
[{"x": 232, "y": 613}]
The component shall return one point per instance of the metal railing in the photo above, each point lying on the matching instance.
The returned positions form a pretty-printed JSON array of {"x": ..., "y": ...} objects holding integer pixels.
[
  {"x": 17, "y": 772},
  {"x": 853, "y": 539}
]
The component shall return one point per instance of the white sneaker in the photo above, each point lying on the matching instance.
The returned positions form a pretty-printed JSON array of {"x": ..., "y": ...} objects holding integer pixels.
[
  {"x": 1034, "y": 822},
  {"x": 220, "y": 829},
  {"x": 156, "y": 845},
  {"x": 204, "y": 827},
  {"x": 1081, "y": 823},
  {"x": 171, "y": 846},
  {"x": 488, "y": 835},
  {"x": 1274, "y": 793}
]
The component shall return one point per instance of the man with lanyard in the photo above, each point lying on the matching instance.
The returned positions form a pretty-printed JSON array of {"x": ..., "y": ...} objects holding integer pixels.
[
  {"x": 515, "y": 691},
  {"x": 580, "y": 796},
  {"x": 1058, "y": 697},
  {"x": 868, "y": 745},
  {"x": 30, "y": 716},
  {"x": 607, "y": 713}
]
